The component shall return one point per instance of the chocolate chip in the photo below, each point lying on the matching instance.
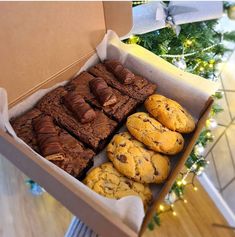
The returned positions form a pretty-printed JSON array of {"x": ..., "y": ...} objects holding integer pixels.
[
  {"x": 146, "y": 120},
  {"x": 122, "y": 144},
  {"x": 156, "y": 172},
  {"x": 179, "y": 141},
  {"x": 167, "y": 107},
  {"x": 128, "y": 183},
  {"x": 146, "y": 158},
  {"x": 122, "y": 158}
]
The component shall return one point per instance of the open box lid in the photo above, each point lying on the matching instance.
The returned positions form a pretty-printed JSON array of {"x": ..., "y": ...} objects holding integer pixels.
[{"x": 41, "y": 39}]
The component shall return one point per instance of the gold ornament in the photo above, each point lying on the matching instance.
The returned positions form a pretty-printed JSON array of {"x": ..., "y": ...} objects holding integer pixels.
[{"x": 231, "y": 12}]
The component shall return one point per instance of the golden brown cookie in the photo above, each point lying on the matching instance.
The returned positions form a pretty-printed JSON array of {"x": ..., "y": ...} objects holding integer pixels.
[
  {"x": 133, "y": 160},
  {"x": 153, "y": 134},
  {"x": 108, "y": 182},
  {"x": 170, "y": 113}
]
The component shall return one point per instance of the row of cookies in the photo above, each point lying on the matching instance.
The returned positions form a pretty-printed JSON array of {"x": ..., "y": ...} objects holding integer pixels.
[
  {"x": 139, "y": 157},
  {"x": 142, "y": 153},
  {"x": 161, "y": 129}
]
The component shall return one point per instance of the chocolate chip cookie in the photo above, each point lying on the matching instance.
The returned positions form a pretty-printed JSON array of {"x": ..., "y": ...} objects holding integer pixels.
[
  {"x": 133, "y": 160},
  {"x": 108, "y": 182},
  {"x": 153, "y": 134},
  {"x": 170, "y": 113}
]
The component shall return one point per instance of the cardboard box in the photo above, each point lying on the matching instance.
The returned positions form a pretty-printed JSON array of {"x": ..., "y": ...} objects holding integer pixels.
[{"x": 43, "y": 43}]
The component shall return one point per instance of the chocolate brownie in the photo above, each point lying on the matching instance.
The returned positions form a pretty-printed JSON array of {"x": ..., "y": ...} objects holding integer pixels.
[
  {"x": 118, "y": 111},
  {"x": 80, "y": 159},
  {"x": 139, "y": 89},
  {"x": 24, "y": 129},
  {"x": 61, "y": 148},
  {"x": 76, "y": 158},
  {"x": 94, "y": 133}
]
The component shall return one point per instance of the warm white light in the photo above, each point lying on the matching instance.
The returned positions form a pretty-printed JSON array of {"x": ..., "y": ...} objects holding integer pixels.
[
  {"x": 179, "y": 183},
  {"x": 211, "y": 123},
  {"x": 201, "y": 69},
  {"x": 188, "y": 42},
  {"x": 161, "y": 207},
  {"x": 208, "y": 134}
]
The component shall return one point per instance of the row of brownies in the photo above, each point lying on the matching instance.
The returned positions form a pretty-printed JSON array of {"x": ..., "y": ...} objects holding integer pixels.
[{"x": 72, "y": 123}]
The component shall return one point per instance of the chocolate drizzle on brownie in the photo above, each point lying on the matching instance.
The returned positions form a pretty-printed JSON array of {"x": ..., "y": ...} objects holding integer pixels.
[
  {"x": 102, "y": 91},
  {"x": 82, "y": 110},
  {"x": 139, "y": 90},
  {"x": 123, "y": 74},
  {"x": 47, "y": 137}
]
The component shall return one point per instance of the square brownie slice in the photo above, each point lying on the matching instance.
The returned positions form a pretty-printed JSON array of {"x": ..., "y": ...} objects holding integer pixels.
[
  {"x": 59, "y": 147},
  {"x": 139, "y": 89},
  {"x": 78, "y": 158},
  {"x": 95, "y": 133},
  {"x": 124, "y": 106},
  {"x": 23, "y": 127}
]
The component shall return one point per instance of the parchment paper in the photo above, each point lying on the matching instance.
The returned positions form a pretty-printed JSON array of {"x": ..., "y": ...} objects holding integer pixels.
[{"x": 191, "y": 91}]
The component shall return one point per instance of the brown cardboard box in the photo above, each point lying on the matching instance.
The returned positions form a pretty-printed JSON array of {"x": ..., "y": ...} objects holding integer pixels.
[{"x": 43, "y": 43}]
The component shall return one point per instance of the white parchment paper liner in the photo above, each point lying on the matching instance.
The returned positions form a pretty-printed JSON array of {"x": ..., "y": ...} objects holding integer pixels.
[{"x": 190, "y": 90}]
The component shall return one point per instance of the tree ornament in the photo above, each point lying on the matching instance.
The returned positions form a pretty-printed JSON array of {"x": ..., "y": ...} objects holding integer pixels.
[
  {"x": 211, "y": 123},
  {"x": 231, "y": 12},
  {"x": 180, "y": 63},
  {"x": 201, "y": 169},
  {"x": 199, "y": 149},
  {"x": 34, "y": 188},
  {"x": 37, "y": 190},
  {"x": 170, "y": 198}
]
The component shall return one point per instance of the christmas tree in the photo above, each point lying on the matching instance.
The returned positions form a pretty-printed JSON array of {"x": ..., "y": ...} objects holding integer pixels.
[{"x": 198, "y": 49}]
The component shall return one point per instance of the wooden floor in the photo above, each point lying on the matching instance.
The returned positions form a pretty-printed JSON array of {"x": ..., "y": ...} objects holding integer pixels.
[{"x": 24, "y": 215}]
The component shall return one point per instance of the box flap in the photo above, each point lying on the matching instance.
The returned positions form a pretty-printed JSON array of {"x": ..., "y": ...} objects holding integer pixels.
[
  {"x": 40, "y": 39},
  {"x": 118, "y": 16}
]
